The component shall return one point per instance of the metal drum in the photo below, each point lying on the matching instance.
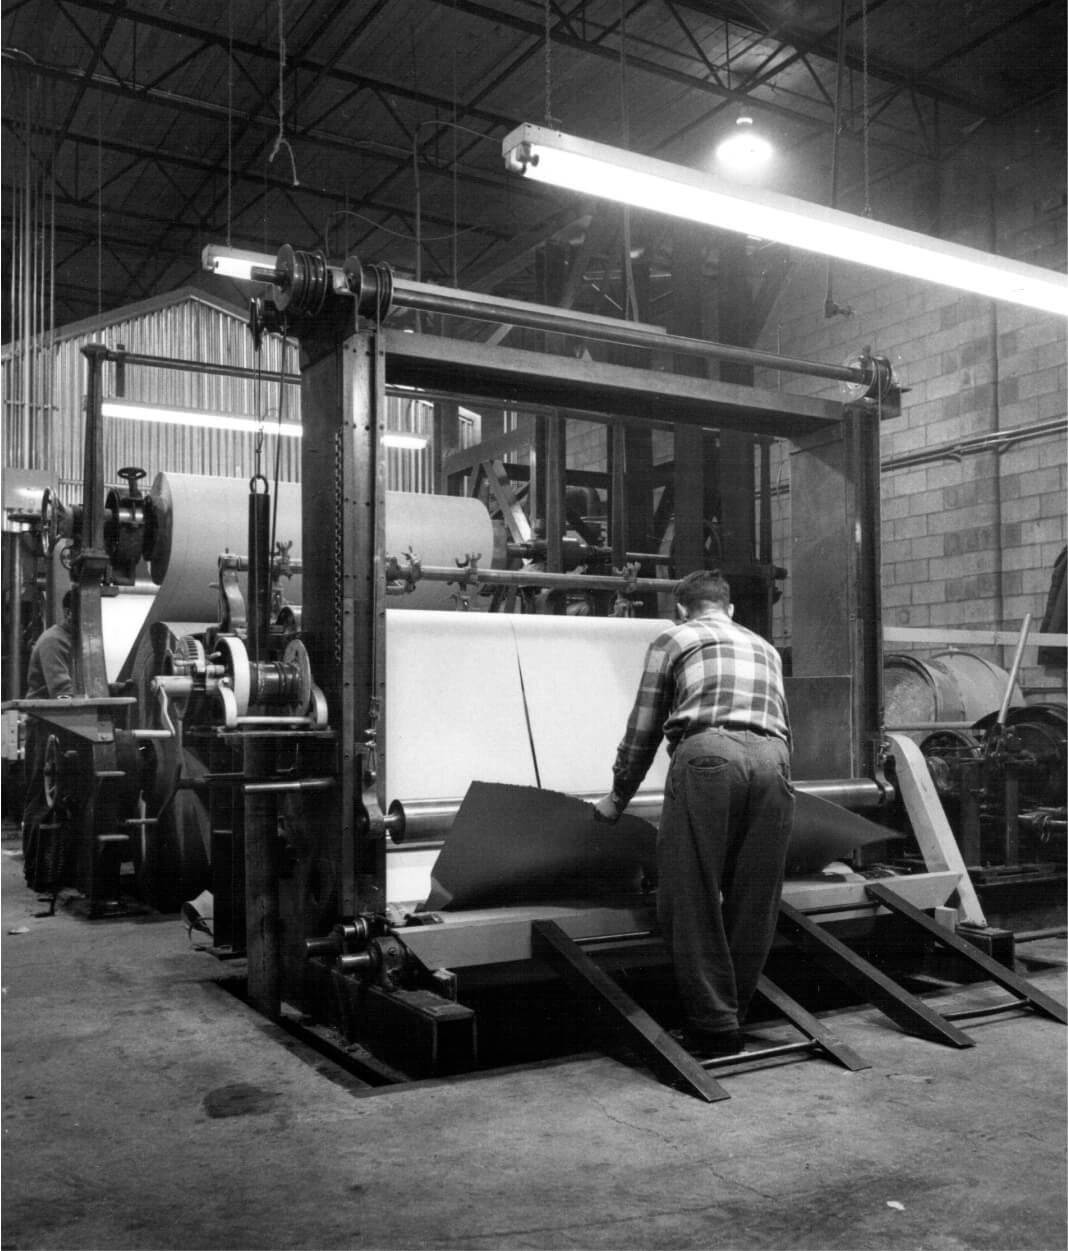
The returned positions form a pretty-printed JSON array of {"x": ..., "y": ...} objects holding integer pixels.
[
  {"x": 953, "y": 686},
  {"x": 919, "y": 692},
  {"x": 981, "y": 683}
]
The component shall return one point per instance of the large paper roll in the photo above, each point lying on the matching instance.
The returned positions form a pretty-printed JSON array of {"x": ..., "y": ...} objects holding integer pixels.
[
  {"x": 437, "y": 530},
  {"x": 193, "y": 520}
]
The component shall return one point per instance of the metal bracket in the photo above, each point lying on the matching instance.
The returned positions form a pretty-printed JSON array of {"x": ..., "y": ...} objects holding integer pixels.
[
  {"x": 912, "y": 1014},
  {"x": 820, "y": 1037},
  {"x": 671, "y": 1063},
  {"x": 1029, "y": 996}
]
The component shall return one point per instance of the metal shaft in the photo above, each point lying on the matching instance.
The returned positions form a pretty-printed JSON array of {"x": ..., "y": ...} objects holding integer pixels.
[
  {"x": 426, "y": 820},
  {"x": 529, "y": 577},
  {"x": 426, "y": 298},
  {"x": 1014, "y": 672}
]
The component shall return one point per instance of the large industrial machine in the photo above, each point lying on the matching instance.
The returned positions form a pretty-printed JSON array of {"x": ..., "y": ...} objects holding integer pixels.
[{"x": 358, "y": 697}]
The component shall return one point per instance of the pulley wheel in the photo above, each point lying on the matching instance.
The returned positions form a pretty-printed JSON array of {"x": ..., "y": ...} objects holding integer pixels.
[{"x": 51, "y": 771}]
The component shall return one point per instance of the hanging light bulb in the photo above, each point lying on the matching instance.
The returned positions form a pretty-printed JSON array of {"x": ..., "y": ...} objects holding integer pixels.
[{"x": 745, "y": 150}]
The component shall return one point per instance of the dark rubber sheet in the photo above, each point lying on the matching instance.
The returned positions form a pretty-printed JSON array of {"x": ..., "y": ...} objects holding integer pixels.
[{"x": 520, "y": 844}]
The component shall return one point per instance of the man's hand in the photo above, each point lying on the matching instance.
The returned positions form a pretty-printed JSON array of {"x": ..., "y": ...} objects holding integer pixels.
[{"x": 608, "y": 808}]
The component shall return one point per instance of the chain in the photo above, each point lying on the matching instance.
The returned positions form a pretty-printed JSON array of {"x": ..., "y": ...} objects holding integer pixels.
[{"x": 339, "y": 525}]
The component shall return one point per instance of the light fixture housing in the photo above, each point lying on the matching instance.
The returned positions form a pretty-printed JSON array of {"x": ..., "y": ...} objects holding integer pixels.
[
  {"x": 596, "y": 169},
  {"x": 745, "y": 150},
  {"x": 235, "y": 262}
]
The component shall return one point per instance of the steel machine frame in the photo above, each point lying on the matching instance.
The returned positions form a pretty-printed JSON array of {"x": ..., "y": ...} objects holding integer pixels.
[{"x": 292, "y": 720}]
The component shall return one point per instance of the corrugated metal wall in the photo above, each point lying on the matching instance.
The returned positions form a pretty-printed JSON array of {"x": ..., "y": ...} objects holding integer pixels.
[{"x": 187, "y": 326}]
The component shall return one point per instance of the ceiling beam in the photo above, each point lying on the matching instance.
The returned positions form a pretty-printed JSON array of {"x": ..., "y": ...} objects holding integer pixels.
[
  {"x": 330, "y": 195},
  {"x": 316, "y": 68},
  {"x": 717, "y": 11},
  {"x": 320, "y": 69},
  {"x": 205, "y": 108},
  {"x": 825, "y": 47}
]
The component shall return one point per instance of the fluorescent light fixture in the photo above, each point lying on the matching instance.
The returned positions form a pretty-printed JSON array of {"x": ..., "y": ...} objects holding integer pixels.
[
  {"x": 234, "y": 262},
  {"x": 405, "y": 439},
  {"x": 745, "y": 149},
  {"x": 130, "y": 411},
  {"x": 595, "y": 169}
]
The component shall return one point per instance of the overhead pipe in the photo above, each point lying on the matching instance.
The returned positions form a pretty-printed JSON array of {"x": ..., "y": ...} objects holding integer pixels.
[
  {"x": 302, "y": 280},
  {"x": 523, "y": 577}
]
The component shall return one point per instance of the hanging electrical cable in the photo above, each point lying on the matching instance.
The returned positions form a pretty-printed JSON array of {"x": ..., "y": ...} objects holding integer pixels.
[
  {"x": 831, "y": 307},
  {"x": 229, "y": 120},
  {"x": 865, "y": 120},
  {"x": 630, "y": 301},
  {"x": 30, "y": 247},
  {"x": 455, "y": 181},
  {"x": 548, "y": 45},
  {"x": 99, "y": 218}
]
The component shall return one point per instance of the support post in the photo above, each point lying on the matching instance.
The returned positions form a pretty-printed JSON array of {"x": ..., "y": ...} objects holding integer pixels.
[{"x": 930, "y": 825}]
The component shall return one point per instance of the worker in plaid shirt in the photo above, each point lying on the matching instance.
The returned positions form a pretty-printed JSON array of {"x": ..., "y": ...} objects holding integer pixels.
[{"x": 714, "y": 689}]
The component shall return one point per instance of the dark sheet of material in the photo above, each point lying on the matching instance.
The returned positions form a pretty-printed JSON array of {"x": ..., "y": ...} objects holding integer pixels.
[
  {"x": 519, "y": 844},
  {"x": 824, "y": 832}
]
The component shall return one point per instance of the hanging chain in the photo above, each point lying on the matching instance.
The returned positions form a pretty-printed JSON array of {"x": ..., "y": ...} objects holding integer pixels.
[{"x": 282, "y": 399}]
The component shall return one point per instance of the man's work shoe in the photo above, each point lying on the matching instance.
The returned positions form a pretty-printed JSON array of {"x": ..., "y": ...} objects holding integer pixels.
[{"x": 720, "y": 1043}]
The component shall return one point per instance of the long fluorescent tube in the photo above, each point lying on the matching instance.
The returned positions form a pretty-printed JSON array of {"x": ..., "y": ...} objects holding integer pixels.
[
  {"x": 234, "y": 262},
  {"x": 131, "y": 411},
  {"x": 609, "y": 173},
  {"x": 405, "y": 439}
]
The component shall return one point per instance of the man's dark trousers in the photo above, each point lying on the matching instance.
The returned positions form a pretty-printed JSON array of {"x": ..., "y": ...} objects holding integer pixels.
[{"x": 721, "y": 850}]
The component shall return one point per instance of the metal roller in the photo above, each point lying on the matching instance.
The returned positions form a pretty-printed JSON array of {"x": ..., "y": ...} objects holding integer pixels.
[{"x": 427, "y": 821}]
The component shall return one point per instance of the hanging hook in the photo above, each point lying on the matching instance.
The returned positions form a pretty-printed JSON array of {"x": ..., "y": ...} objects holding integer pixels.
[{"x": 281, "y": 141}]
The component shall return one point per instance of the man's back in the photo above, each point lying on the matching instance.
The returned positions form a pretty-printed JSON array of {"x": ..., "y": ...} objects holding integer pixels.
[{"x": 48, "y": 675}]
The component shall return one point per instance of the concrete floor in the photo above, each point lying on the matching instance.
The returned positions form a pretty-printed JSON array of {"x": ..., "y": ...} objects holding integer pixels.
[{"x": 145, "y": 1107}]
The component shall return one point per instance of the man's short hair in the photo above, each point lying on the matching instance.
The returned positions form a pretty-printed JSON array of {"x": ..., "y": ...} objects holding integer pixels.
[
  {"x": 703, "y": 586},
  {"x": 68, "y": 600}
]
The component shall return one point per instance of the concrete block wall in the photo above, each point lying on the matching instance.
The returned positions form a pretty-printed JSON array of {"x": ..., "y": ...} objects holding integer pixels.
[{"x": 975, "y": 470}]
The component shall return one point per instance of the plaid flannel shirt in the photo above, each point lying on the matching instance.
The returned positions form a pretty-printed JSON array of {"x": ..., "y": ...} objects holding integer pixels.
[{"x": 700, "y": 674}]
